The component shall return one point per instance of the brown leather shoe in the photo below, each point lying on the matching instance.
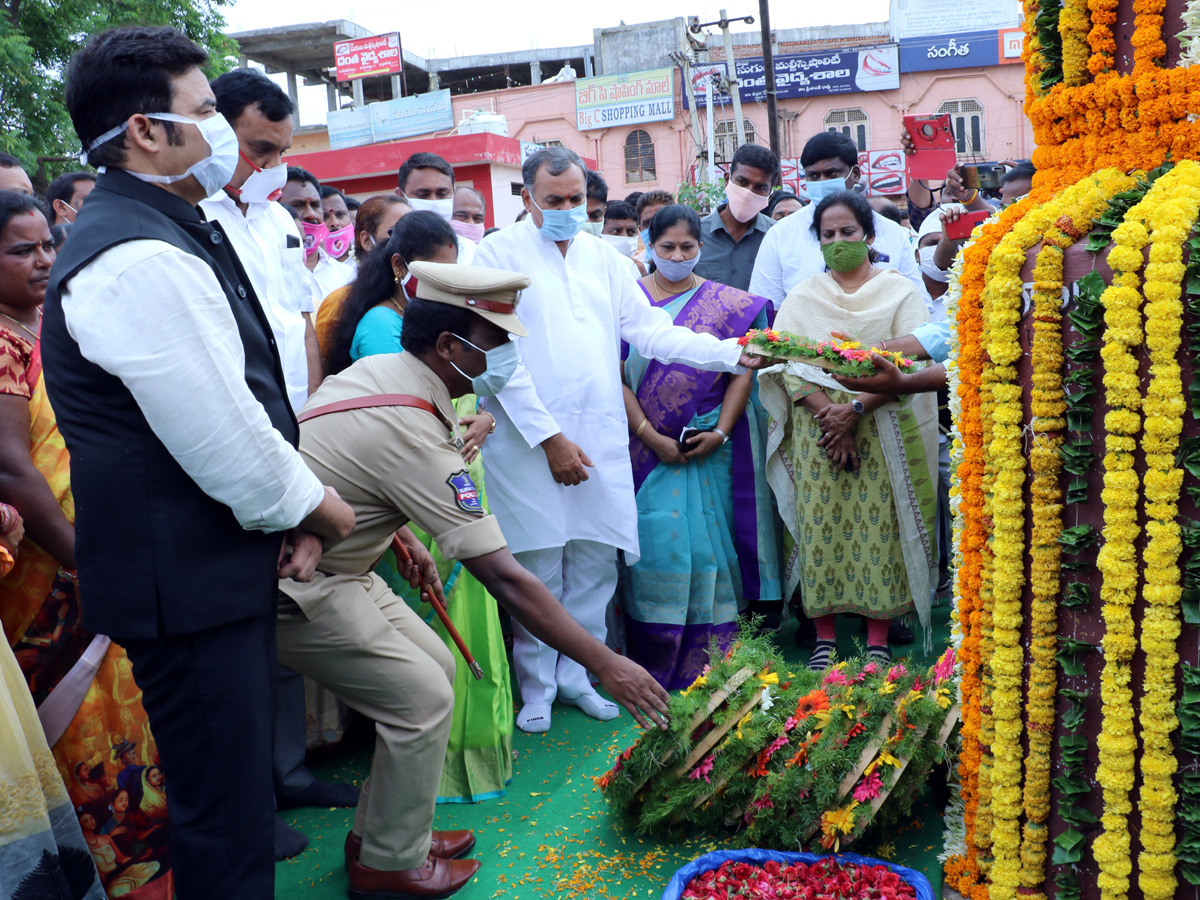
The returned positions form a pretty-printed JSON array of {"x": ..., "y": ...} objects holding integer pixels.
[
  {"x": 445, "y": 845},
  {"x": 436, "y": 879}
]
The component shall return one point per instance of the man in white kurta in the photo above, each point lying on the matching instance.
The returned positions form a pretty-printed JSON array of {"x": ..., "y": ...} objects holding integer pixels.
[{"x": 559, "y": 478}]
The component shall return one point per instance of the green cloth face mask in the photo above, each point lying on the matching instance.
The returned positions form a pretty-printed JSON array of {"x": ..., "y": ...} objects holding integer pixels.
[{"x": 844, "y": 256}]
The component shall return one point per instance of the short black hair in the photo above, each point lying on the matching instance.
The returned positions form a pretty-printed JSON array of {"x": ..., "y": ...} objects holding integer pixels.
[
  {"x": 829, "y": 145},
  {"x": 756, "y": 157},
  {"x": 63, "y": 187},
  {"x": 856, "y": 203},
  {"x": 423, "y": 161},
  {"x": 777, "y": 198},
  {"x": 8, "y": 161},
  {"x": 633, "y": 197},
  {"x": 121, "y": 72},
  {"x": 425, "y": 320},
  {"x": 353, "y": 203},
  {"x": 14, "y": 204},
  {"x": 295, "y": 173},
  {"x": 554, "y": 160},
  {"x": 652, "y": 198},
  {"x": 890, "y": 211},
  {"x": 1021, "y": 170},
  {"x": 245, "y": 87},
  {"x": 328, "y": 190},
  {"x": 597, "y": 187},
  {"x": 619, "y": 209}
]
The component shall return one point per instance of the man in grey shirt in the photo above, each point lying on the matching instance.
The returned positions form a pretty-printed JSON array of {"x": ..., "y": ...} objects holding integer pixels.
[{"x": 733, "y": 232}]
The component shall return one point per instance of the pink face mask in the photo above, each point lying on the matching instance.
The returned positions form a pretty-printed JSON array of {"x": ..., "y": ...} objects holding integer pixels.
[
  {"x": 338, "y": 242},
  {"x": 744, "y": 204},
  {"x": 469, "y": 230},
  {"x": 313, "y": 236}
]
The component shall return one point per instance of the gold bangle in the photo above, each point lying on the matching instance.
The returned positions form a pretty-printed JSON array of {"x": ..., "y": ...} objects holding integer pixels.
[
  {"x": 491, "y": 430},
  {"x": 641, "y": 427}
]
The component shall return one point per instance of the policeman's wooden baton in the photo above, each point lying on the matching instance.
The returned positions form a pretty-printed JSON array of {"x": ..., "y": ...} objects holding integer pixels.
[{"x": 430, "y": 596}]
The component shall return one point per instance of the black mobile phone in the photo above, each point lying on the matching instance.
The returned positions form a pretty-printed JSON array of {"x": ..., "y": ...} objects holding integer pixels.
[{"x": 687, "y": 434}]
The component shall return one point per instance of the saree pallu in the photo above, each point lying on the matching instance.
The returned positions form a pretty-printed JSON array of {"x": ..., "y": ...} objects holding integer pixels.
[
  {"x": 479, "y": 761},
  {"x": 706, "y": 529},
  {"x": 89, "y": 707}
]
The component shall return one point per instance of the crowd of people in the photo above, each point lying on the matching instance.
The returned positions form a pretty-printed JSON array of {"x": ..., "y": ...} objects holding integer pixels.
[{"x": 254, "y": 429}]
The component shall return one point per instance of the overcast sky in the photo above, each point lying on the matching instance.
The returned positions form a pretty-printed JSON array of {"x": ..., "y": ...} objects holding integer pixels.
[{"x": 441, "y": 28}]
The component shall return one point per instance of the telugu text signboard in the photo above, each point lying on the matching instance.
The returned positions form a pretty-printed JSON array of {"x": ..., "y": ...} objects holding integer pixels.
[
  {"x": 913, "y": 18},
  {"x": 378, "y": 55},
  {"x": 409, "y": 116},
  {"x": 950, "y": 51},
  {"x": 809, "y": 74},
  {"x": 390, "y": 120},
  {"x": 625, "y": 99}
]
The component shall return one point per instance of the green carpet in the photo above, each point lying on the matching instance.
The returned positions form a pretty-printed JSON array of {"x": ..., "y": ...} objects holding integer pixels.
[{"x": 551, "y": 835}]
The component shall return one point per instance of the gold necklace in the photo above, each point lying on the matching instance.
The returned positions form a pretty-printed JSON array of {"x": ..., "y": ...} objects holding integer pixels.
[
  {"x": 32, "y": 334},
  {"x": 658, "y": 284},
  {"x": 399, "y": 308}
]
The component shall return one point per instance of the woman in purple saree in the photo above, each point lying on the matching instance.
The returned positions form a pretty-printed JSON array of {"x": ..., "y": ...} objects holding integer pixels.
[{"x": 705, "y": 521}]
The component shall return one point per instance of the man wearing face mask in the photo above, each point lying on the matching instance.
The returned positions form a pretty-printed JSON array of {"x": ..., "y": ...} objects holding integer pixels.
[
  {"x": 384, "y": 431},
  {"x": 597, "y": 201},
  {"x": 560, "y": 479},
  {"x": 302, "y": 195},
  {"x": 790, "y": 251},
  {"x": 470, "y": 214},
  {"x": 339, "y": 223},
  {"x": 734, "y": 231},
  {"x": 266, "y": 239},
  {"x": 191, "y": 500},
  {"x": 426, "y": 182}
]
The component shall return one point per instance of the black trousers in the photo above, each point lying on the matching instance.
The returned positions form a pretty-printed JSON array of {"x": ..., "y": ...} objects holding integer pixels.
[{"x": 210, "y": 697}]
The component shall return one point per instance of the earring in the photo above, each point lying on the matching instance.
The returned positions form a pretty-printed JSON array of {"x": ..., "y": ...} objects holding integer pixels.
[{"x": 397, "y": 274}]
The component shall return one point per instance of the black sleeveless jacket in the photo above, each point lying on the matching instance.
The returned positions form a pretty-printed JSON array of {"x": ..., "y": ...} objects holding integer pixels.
[{"x": 156, "y": 555}]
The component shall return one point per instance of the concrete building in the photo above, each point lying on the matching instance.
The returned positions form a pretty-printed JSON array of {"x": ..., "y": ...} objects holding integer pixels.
[{"x": 975, "y": 77}]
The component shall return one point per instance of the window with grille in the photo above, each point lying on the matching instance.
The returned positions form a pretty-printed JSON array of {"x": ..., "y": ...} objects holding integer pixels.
[
  {"x": 853, "y": 123},
  {"x": 966, "y": 120},
  {"x": 726, "y": 140},
  {"x": 639, "y": 157}
]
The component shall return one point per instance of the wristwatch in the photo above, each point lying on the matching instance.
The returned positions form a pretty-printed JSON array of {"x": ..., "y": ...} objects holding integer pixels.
[{"x": 858, "y": 406}]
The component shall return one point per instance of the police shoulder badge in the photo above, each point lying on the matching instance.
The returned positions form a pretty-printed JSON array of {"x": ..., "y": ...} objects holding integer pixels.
[{"x": 466, "y": 495}]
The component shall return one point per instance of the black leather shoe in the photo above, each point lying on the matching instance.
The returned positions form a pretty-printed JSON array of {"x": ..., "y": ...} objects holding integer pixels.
[{"x": 899, "y": 633}]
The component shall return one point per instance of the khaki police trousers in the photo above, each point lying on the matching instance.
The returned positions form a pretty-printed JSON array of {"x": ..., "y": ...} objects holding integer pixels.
[{"x": 369, "y": 648}]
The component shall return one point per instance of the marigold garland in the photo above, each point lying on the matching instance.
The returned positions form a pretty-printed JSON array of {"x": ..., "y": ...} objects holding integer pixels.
[
  {"x": 1073, "y": 28},
  {"x": 1103, "y": 15},
  {"x": 1117, "y": 560},
  {"x": 1170, "y": 224}
]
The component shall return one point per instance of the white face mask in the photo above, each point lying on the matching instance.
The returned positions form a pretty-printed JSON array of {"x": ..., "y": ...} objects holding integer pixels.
[
  {"x": 264, "y": 185},
  {"x": 213, "y": 172},
  {"x": 928, "y": 268},
  {"x": 626, "y": 246},
  {"x": 444, "y": 208}
]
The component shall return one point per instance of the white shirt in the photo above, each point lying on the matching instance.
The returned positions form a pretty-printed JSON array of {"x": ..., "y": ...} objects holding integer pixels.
[
  {"x": 790, "y": 252},
  {"x": 184, "y": 363},
  {"x": 577, "y": 310},
  {"x": 278, "y": 275},
  {"x": 466, "y": 250},
  {"x": 329, "y": 275}
]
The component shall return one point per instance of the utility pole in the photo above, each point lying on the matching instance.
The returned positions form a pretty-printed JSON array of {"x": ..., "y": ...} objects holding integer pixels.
[
  {"x": 764, "y": 16},
  {"x": 685, "y": 68},
  {"x": 734, "y": 90},
  {"x": 712, "y": 167}
]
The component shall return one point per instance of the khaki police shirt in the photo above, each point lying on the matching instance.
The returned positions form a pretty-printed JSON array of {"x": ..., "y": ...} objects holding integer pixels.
[{"x": 393, "y": 465}]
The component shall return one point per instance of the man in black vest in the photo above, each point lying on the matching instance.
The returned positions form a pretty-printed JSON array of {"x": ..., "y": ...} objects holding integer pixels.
[{"x": 190, "y": 497}]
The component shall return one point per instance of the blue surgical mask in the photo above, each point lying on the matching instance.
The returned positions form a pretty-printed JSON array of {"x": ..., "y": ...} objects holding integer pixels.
[
  {"x": 673, "y": 270},
  {"x": 562, "y": 224},
  {"x": 645, "y": 236},
  {"x": 819, "y": 190},
  {"x": 501, "y": 363}
]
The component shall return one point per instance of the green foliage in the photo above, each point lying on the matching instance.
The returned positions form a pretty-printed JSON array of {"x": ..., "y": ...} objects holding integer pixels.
[
  {"x": 37, "y": 39},
  {"x": 1188, "y": 849},
  {"x": 703, "y": 197},
  {"x": 776, "y": 770},
  {"x": 1050, "y": 40}
]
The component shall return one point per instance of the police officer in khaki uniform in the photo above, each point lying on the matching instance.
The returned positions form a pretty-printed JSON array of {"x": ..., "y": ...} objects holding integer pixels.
[{"x": 385, "y": 435}]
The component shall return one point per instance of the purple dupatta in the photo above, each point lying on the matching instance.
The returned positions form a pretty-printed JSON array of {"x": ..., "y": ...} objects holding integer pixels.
[{"x": 671, "y": 394}]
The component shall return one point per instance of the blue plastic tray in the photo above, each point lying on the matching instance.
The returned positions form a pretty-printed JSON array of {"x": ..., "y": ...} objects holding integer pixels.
[{"x": 683, "y": 877}]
